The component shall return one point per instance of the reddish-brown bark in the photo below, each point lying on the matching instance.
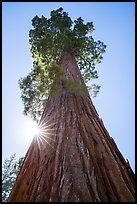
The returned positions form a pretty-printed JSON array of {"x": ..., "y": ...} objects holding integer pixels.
[{"x": 79, "y": 161}]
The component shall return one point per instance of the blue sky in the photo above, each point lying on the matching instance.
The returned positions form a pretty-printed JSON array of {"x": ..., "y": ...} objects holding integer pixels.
[{"x": 114, "y": 25}]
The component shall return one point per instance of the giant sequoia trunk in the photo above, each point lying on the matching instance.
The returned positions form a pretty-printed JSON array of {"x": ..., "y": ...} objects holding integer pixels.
[{"x": 77, "y": 160}]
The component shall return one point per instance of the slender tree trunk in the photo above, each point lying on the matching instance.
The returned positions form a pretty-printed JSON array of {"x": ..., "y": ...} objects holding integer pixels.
[{"x": 76, "y": 160}]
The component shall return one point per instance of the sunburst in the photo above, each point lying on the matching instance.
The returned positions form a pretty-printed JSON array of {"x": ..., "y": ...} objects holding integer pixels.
[{"x": 45, "y": 133}]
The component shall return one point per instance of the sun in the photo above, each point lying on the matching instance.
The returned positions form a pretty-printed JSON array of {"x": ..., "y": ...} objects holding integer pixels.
[
  {"x": 42, "y": 133},
  {"x": 31, "y": 129},
  {"x": 34, "y": 129}
]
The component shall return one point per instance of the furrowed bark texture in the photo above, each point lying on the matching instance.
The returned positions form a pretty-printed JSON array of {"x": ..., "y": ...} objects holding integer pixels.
[{"x": 76, "y": 160}]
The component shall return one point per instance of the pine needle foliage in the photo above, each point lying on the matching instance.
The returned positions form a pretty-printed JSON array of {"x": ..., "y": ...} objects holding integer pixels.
[
  {"x": 49, "y": 38},
  {"x": 10, "y": 169}
]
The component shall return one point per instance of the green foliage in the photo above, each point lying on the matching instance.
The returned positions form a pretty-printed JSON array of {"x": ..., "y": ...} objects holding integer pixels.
[
  {"x": 49, "y": 38},
  {"x": 94, "y": 89},
  {"x": 37, "y": 85},
  {"x": 74, "y": 86},
  {"x": 10, "y": 171}
]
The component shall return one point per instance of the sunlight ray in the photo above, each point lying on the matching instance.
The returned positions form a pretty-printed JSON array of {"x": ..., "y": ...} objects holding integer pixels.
[
  {"x": 48, "y": 138},
  {"x": 43, "y": 122},
  {"x": 40, "y": 138},
  {"x": 48, "y": 133},
  {"x": 44, "y": 132},
  {"x": 44, "y": 125}
]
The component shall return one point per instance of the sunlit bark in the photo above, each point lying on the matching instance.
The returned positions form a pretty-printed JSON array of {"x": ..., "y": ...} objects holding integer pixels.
[{"x": 76, "y": 160}]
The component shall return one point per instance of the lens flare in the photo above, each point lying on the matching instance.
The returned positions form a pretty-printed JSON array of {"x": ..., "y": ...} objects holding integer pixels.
[{"x": 45, "y": 134}]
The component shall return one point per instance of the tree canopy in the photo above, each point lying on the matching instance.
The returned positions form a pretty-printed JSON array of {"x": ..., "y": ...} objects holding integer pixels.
[{"x": 49, "y": 38}]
